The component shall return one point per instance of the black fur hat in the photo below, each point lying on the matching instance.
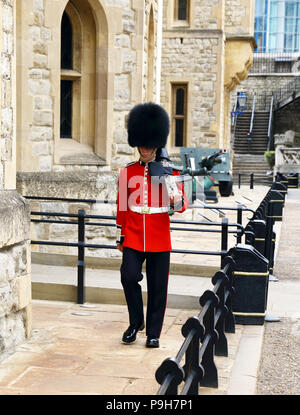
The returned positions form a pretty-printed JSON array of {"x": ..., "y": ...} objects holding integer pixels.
[{"x": 148, "y": 125}]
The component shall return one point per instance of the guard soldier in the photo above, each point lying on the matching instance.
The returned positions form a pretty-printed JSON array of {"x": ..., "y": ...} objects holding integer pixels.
[{"x": 147, "y": 190}]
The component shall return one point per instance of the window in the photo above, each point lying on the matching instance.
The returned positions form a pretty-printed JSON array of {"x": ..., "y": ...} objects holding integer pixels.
[
  {"x": 277, "y": 25},
  {"x": 67, "y": 97},
  {"x": 181, "y": 10},
  {"x": 66, "y": 42},
  {"x": 66, "y": 86},
  {"x": 179, "y": 114},
  {"x": 78, "y": 78}
]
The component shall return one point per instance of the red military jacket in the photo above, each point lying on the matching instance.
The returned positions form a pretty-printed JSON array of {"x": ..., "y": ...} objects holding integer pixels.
[{"x": 144, "y": 231}]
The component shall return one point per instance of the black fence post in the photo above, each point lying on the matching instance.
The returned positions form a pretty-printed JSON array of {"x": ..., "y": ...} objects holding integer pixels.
[
  {"x": 193, "y": 370},
  {"x": 239, "y": 182},
  {"x": 269, "y": 230},
  {"x": 224, "y": 239},
  {"x": 209, "y": 302},
  {"x": 239, "y": 221},
  {"x": 251, "y": 180},
  {"x": 81, "y": 263}
]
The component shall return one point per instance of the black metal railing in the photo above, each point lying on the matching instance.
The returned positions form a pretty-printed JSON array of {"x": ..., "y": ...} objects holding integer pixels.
[
  {"x": 205, "y": 333},
  {"x": 277, "y": 62},
  {"x": 204, "y": 337},
  {"x": 270, "y": 125},
  {"x": 288, "y": 91},
  {"x": 252, "y": 178},
  {"x": 81, "y": 220}
]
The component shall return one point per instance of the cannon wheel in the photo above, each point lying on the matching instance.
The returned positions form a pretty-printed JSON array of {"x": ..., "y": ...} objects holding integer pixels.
[{"x": 225, "y": 188}]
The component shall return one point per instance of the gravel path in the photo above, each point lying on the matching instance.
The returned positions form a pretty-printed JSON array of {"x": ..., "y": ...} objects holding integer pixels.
[{"x": 279, "y": 372}]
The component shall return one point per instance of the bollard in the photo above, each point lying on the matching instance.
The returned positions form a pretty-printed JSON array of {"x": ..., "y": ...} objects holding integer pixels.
[
  {"x": 250, "y": 281},
  {"x": 278, "y": 202},
  {"x": 293, "y": 180},
  {"x": 251, "y": 180},
  {"x": 280, "y": 187},
  {"x": 81, "y": 263},
  {"x": 259, "y": 229},
  {"x": 281, "y": 179}
]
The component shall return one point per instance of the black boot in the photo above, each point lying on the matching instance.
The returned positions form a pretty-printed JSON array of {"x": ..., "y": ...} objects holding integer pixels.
[
  {"x": 129, "y": 335},
  {"x": 152, "y": 341}
]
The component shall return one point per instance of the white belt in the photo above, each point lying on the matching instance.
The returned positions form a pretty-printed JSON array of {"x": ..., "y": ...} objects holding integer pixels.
[{"x": 149, "y": 209}]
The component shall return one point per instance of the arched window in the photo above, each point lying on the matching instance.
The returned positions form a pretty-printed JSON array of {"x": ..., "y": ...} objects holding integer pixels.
[
  {"x": 66, "y": 42},
  {"x": 66, "y": 86},
  {"x": 78, "y": 84}
]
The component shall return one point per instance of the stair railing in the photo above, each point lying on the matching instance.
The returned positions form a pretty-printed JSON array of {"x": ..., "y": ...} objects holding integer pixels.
[
  {"x": 249, "y": 135},
  {"x": 234, "y": 115},
  {"x": 270, "y": 123}
]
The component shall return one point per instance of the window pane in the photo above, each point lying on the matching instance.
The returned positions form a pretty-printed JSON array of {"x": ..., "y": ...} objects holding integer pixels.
[
  {"x": 182, "y": 9},
  {"x": 66, "y": 89},
  {"x": 180, "y": 101},
  {"x": 260, "y": 40},
  {"x": 259, "y": 24},
  {"x": 273, "y": 9},
  {"x": 66, "y": 43},
  {"x": 290, "y": 8},
  {"x": 179, "y": 133},
  {"x": 290, "y": 25},
  {"x": 272, "y": 43},
  {"x": 273, "y": 25},
  {"x": 288, "y": 43}
]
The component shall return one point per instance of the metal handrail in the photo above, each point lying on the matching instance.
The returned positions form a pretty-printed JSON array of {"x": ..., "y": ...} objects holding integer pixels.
[
  {"x": 249, "y": 135},
  {"x": 270, "y": 123}
]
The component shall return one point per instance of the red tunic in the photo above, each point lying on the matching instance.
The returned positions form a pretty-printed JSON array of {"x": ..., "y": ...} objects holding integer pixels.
[{"x": 143, "y": 231}]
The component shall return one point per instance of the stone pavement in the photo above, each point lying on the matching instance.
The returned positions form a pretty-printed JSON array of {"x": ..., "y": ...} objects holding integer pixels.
[{"x": 77, "y": 350}]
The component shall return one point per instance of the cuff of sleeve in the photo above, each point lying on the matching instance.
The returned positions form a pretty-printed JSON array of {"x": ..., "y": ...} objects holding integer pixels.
[
  {"x": 178, "y": 206},
  {"x": 120, "y": 240}
]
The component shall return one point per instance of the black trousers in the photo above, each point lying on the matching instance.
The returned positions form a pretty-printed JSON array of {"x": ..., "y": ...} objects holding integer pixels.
[{"x": 157, "y": 273}]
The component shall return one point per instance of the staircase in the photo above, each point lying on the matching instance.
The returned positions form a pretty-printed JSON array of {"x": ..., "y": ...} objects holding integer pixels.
[
  {"x": 250, "y": 159},
  {"x": 247, "y": 164},
  {"x": 259, "y": 140}
]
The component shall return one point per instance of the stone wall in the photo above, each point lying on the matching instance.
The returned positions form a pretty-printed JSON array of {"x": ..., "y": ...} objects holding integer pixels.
[
  {"x": 193, "y": 54},
  {"x": 15, "y": 260},
  {"x": 122, "y": 53},
  {"x": 75, "y": 185},
  {"x": 212, "y": 54},
  {"x": 15, "y": 280},
  {"x": 7, "y": 149}
]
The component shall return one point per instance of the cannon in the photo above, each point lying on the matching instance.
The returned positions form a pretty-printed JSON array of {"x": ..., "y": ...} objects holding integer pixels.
[
  {"x": 217, "y": 163},
  {"x": 194, "y": 188}
]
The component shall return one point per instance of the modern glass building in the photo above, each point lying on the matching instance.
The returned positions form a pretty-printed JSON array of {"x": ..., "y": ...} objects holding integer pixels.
[{"x": 277, "y": 26}]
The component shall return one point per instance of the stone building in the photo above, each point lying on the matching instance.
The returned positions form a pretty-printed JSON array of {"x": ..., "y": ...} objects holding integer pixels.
[
  {"x": 70, "y": 72},
  {"x": 83, "y": 64},
  {"x": 206, "y": 53}
]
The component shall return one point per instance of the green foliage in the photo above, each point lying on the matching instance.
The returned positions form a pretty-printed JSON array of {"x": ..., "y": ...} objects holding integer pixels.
[{"x": 270, "y": 158}]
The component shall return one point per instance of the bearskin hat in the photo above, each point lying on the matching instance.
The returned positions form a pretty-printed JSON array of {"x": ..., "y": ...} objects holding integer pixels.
[{"x": 148, "y": 125}]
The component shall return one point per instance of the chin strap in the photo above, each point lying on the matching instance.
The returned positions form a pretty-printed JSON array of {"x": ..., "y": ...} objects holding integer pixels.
[{"x": 146, "y": 159}]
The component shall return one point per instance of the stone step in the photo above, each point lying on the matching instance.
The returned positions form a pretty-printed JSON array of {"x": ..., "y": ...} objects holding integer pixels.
[{"x": 58, "y": 283}]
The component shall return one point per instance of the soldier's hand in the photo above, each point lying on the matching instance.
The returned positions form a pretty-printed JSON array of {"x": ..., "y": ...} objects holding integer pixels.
[
  {"x": 120, "y": 247},
  {"x": 175, "y": 199}
]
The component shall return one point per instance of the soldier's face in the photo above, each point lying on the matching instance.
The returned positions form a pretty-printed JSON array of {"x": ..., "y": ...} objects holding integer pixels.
[{"x": 147, "y": 153}]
